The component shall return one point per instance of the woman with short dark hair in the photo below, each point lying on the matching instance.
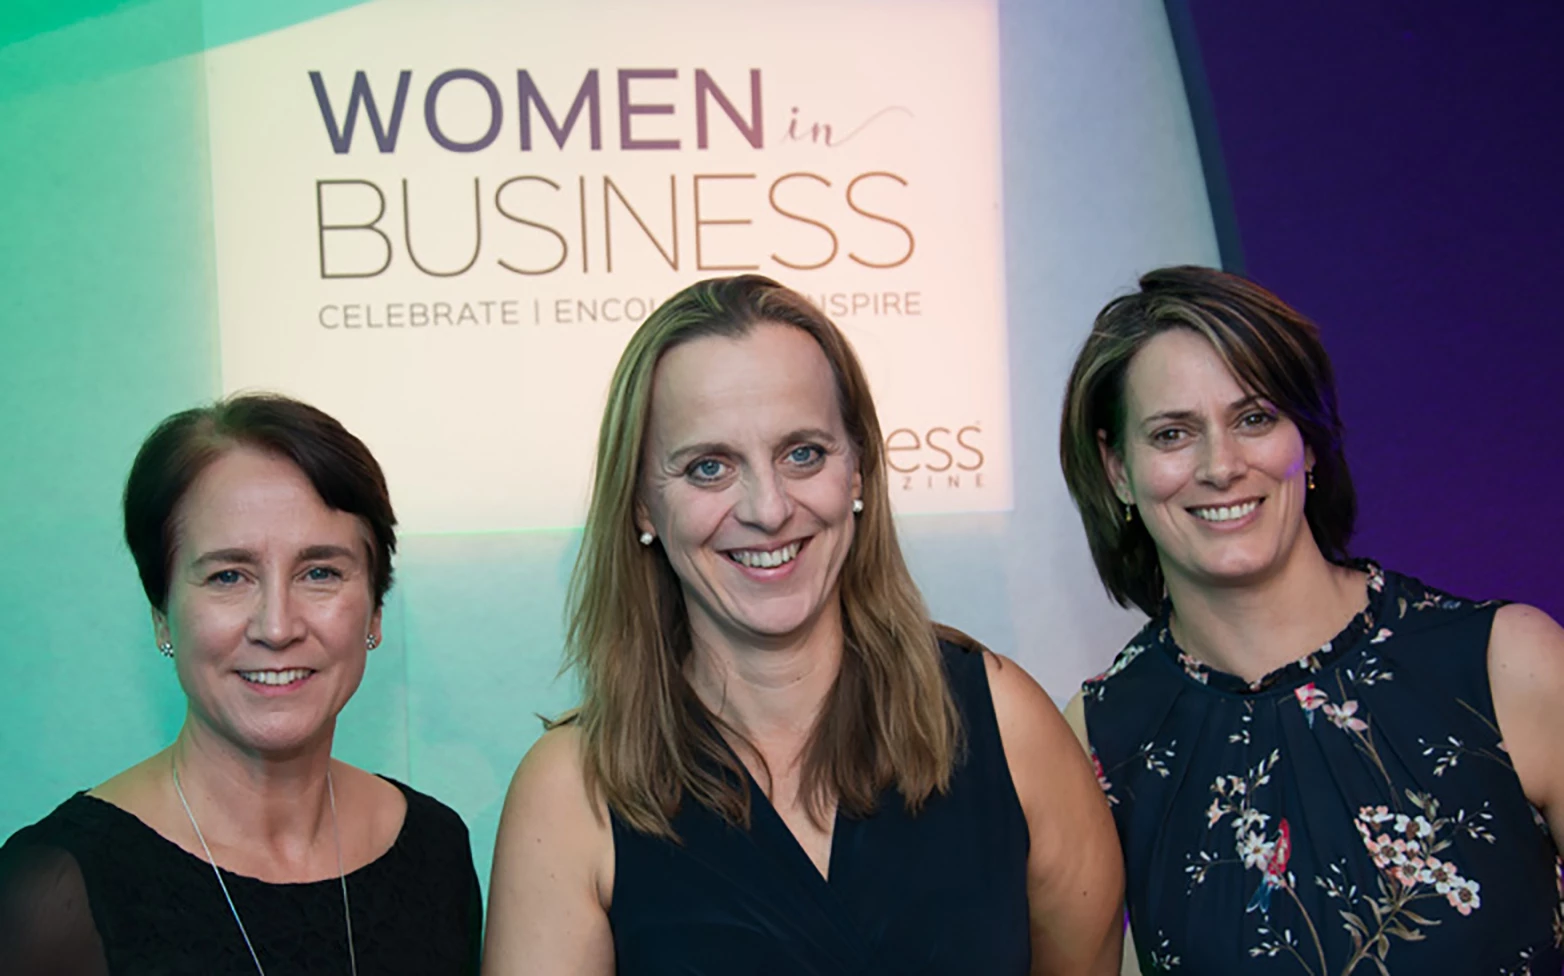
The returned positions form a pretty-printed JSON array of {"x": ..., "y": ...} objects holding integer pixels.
[
  {"x": 263, "y": 534},
  {"x": 1303, "y": 751}
]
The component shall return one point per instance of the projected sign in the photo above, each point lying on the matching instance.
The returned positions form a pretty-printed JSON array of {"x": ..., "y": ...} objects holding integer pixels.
[{"x": 441, "y": 222}]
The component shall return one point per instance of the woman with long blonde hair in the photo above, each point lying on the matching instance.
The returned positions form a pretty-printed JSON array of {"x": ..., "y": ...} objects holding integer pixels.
[{"x": 780, "y": 764}]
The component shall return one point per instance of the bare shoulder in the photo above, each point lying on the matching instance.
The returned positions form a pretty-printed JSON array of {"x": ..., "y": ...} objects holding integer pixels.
[
  {"x": 548, "y": 804},
  {"x": 1526, "y": 674},
  {"x": 549, "y": 787},
  {"x": 1527, "y": 643},
  {"x": 1525, "y": 663},
  {"x": 1009, "y": 682},
  {"x": 553, "y": 868},
  {"x": 1034, "y": 733}
]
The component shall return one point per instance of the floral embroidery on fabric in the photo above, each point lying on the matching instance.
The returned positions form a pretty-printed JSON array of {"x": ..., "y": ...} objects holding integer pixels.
[
  {"x": 1341, "y": 842},
  {"x": 1094, "y": 687},
  {"x": 1102, "y": 779}
]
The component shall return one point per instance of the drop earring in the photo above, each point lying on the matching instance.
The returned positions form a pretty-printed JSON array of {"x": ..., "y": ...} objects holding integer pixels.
[
  {"x": 1309, "y": 479},
  {"x": 1129, "y": 513}
]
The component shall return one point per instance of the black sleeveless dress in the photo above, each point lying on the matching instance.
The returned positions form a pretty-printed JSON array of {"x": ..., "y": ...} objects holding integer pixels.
[
  {"x": 90, "y": 890},
  {"x": 942, "y": 892},
  {"x": 1351, "y": 813}
]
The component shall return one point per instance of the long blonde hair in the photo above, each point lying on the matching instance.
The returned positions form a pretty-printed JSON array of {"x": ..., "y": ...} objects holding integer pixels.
[{"x": 648, "y": 741}]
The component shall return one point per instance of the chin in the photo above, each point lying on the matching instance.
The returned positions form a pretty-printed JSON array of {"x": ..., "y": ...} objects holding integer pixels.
[
  {"x": 1239, "y": 567},
  {"x": 283, "y": 739}
]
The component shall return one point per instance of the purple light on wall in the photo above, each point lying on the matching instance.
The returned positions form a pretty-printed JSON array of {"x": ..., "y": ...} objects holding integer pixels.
[{"x": 1393, "y": 170}]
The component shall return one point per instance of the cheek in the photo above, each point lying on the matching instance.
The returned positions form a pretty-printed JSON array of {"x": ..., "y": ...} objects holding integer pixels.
[
  {"x": 204, "y": 625},
  {"x": 1157, "y": 476},
  {"x": 683, "y": 513}
]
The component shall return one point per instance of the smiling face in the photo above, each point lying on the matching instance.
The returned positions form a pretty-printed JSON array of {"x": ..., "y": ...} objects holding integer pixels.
[
  {"x": 1217, "y": 475},
  {"x": 748, "y": 483},
  {"x": 269, "y": 605}
]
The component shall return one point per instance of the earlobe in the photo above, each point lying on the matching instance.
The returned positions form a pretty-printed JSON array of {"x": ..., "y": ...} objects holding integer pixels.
[
  {"x": 160, "y": 632},
  {"x": 1113, "y": 465}
]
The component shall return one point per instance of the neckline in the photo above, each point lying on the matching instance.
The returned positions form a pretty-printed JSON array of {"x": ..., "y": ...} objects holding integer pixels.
[
  {"x": 786, "y": 841},
  {"x": 157, "y": 838},
  {"x": 1295, "y": 672}
]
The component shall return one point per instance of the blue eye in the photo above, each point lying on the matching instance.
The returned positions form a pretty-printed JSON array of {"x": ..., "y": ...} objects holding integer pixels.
[
  {"x": 321, "y": 574},
  {"x": 225, "y": 577},
  {"x": 706, "y": 469},
  {"x": 805, "y": 454}
]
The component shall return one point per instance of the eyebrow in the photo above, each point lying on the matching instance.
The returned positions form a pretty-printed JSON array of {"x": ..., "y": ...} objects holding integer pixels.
[
  {"x": 247, "y": 558},
  {"x": 687, "y": 452},
  {"x": 1237, "y": 405}
]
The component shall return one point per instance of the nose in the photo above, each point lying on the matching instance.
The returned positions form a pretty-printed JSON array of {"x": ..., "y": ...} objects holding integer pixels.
[
  {"x": 1222, "y": 460},
  {"x": 766, "y": 503},
  {"x": 275, "y": 621}
]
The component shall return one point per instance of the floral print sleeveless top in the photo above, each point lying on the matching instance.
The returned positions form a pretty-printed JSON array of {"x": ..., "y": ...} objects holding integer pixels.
[{"x": 1352, "y": 813}]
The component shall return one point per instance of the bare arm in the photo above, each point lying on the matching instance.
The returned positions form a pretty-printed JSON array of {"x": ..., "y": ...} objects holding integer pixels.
[
  {"x": 1075, "y": 876},
  {"x": 1075, "y": 717},
  {"x": 1526, "y": 672},
  {"x": 553, "y": 870}
]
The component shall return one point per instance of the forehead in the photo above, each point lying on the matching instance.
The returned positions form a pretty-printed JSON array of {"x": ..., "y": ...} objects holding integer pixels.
[
  {"x": 1179, "y": 369},
  {"x": 771, "y": 380},
  {"x": 247, "y": 497}
]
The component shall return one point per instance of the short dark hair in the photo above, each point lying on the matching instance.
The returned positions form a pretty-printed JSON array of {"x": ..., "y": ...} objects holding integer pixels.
[
  {"x": 343, "y": 472},
  {"x": 1270, "y": 347}
]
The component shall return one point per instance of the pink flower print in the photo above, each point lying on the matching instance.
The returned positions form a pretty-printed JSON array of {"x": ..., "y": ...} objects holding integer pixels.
[
  {"x": 1383, "y": 635},
  {"x": 1341, "y": 716},
  {"x": 1273, "y": 867},
  {"x": 1440, "y": 874},
  {"x": 1193, "y": 668},
  {"x": 1409, "y": 872},
  {"x": 1102, "y": 778},
  {"x": 1309, "y": 699},
  {"x": 1463, "y": 896}
]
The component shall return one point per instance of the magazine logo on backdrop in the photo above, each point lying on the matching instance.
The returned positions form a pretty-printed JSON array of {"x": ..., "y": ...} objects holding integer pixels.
[{"x": 444, "y": 234}]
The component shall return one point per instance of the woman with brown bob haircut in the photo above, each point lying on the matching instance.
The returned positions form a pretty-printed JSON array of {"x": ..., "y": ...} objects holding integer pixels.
[
  {"x": 780, "y": 765},
  {"x": 1303, "y": 751},
  {"x": 263, "y": 534}
]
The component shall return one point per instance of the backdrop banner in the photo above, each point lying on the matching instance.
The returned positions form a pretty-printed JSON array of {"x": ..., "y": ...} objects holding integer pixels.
[{"x": 441, "y": 223}]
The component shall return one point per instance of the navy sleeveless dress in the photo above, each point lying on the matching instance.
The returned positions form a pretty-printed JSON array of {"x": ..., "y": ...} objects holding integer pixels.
[
  {"x": 942, "y": 892},
  {"x": 1352, "y": 813}
]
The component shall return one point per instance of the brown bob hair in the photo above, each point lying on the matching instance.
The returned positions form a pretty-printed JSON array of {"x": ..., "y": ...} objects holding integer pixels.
[
  {"x": 648, "y": 740},
  {"x": 1270, "y": 347},
  {"x": 343, "y": 472}
]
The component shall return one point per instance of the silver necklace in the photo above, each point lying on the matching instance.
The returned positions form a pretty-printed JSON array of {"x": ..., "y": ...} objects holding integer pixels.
[{"x": 347, "y": 914}]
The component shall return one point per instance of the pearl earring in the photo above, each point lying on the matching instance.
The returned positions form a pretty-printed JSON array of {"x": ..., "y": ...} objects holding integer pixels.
[
  {"x": 646, "y": 538},
  {"x": 857, "y": 506}
]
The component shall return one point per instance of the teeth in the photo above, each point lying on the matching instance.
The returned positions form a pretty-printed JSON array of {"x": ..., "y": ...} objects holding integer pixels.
[
  {"x": 1225, "y": 513},
  {"x": 757, "y": 559},
  {"x": 276, "y": 677}
]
